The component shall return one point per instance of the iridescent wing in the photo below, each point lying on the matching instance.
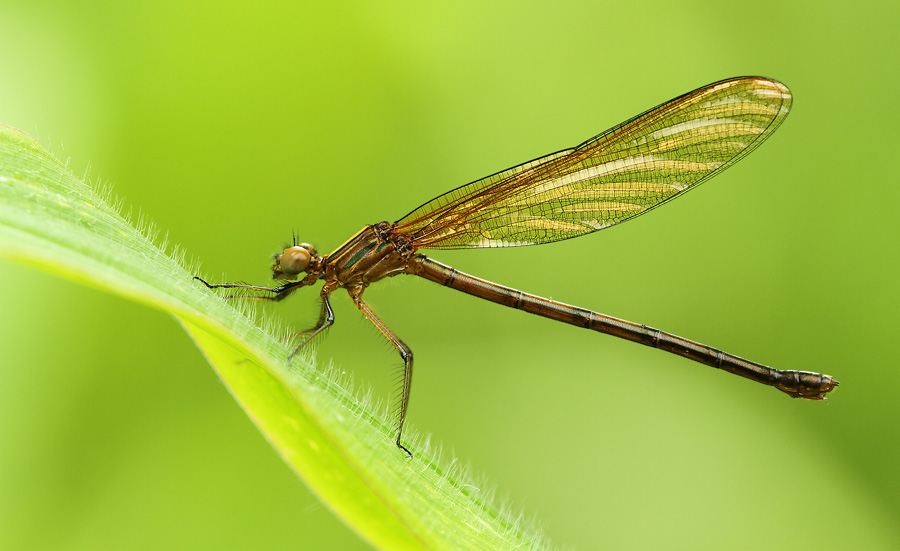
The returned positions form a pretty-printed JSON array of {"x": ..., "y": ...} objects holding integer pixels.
[{"x": 613, "y": 177}]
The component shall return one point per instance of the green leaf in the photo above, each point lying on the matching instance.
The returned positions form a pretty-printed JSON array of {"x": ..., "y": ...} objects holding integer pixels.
[{"x": 342, "y": 447}]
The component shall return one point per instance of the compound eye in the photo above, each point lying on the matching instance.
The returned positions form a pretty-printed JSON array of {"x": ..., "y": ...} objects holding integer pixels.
[
  {"x": 310, "y": 248},
  {"x": 294, "y": 260}
]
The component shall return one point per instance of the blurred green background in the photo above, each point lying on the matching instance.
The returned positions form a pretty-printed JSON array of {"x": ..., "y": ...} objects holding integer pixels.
[{"x": 233, "y": 125}]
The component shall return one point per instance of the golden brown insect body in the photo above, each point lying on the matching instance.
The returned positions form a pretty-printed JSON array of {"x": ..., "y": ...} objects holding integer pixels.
[{"x": 613, "y": 177}]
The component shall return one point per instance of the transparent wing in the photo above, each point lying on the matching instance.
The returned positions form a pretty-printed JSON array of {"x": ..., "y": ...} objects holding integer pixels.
[{"x": 613, "y": 177}]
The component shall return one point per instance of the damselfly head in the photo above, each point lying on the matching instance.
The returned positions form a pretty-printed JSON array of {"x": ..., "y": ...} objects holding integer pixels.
[{"x": 293, "y": 261}]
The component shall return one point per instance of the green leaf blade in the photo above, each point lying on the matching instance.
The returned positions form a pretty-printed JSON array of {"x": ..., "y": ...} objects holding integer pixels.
[{"x": 341, "y": 447}]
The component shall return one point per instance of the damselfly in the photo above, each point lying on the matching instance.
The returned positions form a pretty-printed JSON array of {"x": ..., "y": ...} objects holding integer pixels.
[{"x": 613, "y": 177}]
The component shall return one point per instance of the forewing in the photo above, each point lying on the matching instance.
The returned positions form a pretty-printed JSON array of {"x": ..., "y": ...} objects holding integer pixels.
[{"x": 613, "y": 177}]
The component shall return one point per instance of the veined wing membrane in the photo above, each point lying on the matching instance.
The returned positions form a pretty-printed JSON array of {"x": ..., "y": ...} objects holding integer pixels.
[{"x": 613, "y": 177}]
